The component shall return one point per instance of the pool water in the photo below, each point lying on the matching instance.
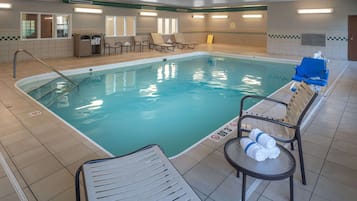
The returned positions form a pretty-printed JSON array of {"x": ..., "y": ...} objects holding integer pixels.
[{"x": 173, "y": 103}]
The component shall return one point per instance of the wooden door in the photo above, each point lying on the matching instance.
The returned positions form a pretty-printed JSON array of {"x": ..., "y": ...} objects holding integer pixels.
[{"x": 352, "y": 37}]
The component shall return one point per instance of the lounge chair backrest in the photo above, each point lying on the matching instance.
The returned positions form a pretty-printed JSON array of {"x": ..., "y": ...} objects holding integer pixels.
[
  {"x": 157, "y": 38},
  {"x": 145, "y": 174},
  {"x": 299, "y": 104},
  {"x": 179, "y": 38}
]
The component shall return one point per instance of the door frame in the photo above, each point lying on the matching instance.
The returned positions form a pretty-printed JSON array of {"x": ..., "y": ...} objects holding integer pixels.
[{"x": 351, "y": 36}]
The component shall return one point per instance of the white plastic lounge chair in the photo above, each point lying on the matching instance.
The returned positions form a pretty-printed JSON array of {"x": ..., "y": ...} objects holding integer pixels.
[
  {"x": 158, "y": 41},
  {"x": 145, "y": 174},
  {"x": 180, "y": 40}
]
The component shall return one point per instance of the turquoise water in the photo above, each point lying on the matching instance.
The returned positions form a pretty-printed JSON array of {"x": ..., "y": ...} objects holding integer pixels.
[{"x": 174, "y": 104}]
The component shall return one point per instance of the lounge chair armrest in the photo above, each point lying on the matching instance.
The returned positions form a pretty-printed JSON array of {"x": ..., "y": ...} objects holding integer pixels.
[
  {"x": 271, "y": 120},
  {"x": 260, "y": 98}
]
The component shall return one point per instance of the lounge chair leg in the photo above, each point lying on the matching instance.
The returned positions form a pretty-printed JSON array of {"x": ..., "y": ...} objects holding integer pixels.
[
  {"x": 78, "y": 193},
  {"x": 292, "y": 146},
  {"x": 302, "y": 166}
]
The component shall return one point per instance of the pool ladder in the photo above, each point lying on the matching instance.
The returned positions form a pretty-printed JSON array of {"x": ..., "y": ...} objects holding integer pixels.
[{"x": 42, "y": 62}]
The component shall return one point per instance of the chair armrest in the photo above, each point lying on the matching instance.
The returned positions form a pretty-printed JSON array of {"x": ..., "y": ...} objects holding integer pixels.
[
  {"x": 271, "y": 120},
  {"x": 260, "y": 98}
]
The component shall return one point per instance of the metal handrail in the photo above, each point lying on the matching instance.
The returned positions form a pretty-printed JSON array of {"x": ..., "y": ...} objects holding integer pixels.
[{"x": 42, "y": 62}]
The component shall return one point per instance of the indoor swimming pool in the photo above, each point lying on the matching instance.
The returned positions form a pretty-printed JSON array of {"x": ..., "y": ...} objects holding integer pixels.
[{"x": 173, "y": 102}]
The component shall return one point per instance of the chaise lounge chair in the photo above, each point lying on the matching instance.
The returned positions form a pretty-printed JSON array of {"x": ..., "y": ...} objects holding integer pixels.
[
  {"x": 145, "y": 174},
  {"x": 312, "y": 71},
  {"x": 159, "y": 42},
  {"x": 286, "y": 129},
  {"x": 180, "y": 40}
]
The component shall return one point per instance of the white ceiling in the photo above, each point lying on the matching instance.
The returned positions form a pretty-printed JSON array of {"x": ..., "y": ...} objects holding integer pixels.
[{"x": 197, "y": 3}]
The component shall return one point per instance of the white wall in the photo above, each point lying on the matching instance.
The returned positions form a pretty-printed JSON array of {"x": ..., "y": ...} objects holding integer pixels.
[{"x": 285, "y": 27}]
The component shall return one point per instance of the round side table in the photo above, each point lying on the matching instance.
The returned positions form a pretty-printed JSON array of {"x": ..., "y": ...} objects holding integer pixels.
[{"x": 269, "y": 169}]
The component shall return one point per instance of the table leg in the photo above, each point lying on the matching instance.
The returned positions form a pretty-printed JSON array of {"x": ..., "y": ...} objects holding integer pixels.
[
  {"x": 243, "y": 187},
  {"x": 291, "y": 188}
]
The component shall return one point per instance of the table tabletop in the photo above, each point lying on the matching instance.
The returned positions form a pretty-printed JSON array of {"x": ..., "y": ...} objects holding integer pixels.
[{"x": 269, "y": 169}]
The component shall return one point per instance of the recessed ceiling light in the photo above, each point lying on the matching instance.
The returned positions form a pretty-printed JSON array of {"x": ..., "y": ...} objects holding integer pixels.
[
  {"x": 5, "y": 5},
  {"x": 198, "y": 16},
  {"x": 88, "y": 10},
  {"x": 252, "y": 16},
  {"x": 153, "y": 14},
  {"x": 219, "y": 16},
  {"x": 315, "y": 11}
]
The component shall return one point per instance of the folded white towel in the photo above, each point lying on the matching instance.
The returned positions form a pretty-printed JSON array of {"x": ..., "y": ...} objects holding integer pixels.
[
  {"x": 273, "y": 152},
  {"x": 262, "y": 138},
  {"x": 253, "y": 149}
]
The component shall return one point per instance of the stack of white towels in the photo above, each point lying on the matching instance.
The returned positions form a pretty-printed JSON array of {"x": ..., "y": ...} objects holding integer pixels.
[{"x": 260, "y": 145}]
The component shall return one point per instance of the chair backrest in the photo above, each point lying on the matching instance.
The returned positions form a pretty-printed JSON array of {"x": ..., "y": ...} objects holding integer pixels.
[
  {"x": 311, "y": 67},
  {"x": 299, "y": 103},
  {"x": 157, "y": 38},
  {"x": 179, "y": 38}
]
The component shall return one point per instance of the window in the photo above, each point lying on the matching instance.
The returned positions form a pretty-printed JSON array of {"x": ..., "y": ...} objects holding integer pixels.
[
  {"x": 120, "y": 25},
  {"x": 38, "y": 26},
  {"x": 167, "y": 25}
]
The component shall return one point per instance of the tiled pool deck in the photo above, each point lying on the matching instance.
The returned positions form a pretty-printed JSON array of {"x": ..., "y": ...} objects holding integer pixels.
[{"x": 44, "y": 152}]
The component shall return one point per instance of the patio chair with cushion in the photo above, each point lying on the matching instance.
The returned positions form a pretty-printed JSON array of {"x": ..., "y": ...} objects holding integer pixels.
[
  {"x": 158, "y": 41},
  {"x": 285, "y": 129},
  {"x": 312, "y": 71},
  {"x": 181, "y": 42},
  {"x": 141, "y": 43},
  {"x": 109, "y": 47},
  {"x": 145, "y": 174}
]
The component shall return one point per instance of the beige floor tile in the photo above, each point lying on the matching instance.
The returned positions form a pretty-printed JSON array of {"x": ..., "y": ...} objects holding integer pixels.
[
  {"x": 200, "y": 151},
  {"x": 317, "y": 139},
  {"x": 217, "y": 161},
  {"x": 339, "y": 173},
  {"x": 52, "y": 185},
  {"x": 22, "y": 146},
  {"x": 345, "y": 146},
  {"x": 29, "y": 195},
  {"x": 262, "y": 198},
  {"x": 6, "y": 187},
  {"x": 67, "y": 195},
  {"x": 334, "y": 191},
  {"x": 40, "y": 169},
  {"x": 72, "y": 168},
  {"x": 346, "y": 135},
  {"x": 312, "y": 163},
  {"x": 61, "y": 143},
  {"x": 183, "y": 163},
  {"x": 342, "y": 158},
  {"x": 10, "y": 197},
  {"x": 73, "y": 154},
  {"x": 31, "y": 156},
  {"x": 21, "y": 134},
  {"x": 279, "y": 191},
  {"x": 203, "y": 178},
  {"x": 202, "y": 196},
  {"x": 231, "y": 188},
  {"x": 314, "y": 149},
  {"x": 317, "y": 198}
]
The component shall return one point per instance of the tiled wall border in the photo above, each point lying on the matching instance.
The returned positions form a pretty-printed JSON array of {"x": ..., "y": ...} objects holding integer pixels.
[
  {"x": 285, "y": 36},
  {"x": 298, "y": 37},
  {"x": 336, "y": 38},
  {"x": 3, "y": 38}
]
